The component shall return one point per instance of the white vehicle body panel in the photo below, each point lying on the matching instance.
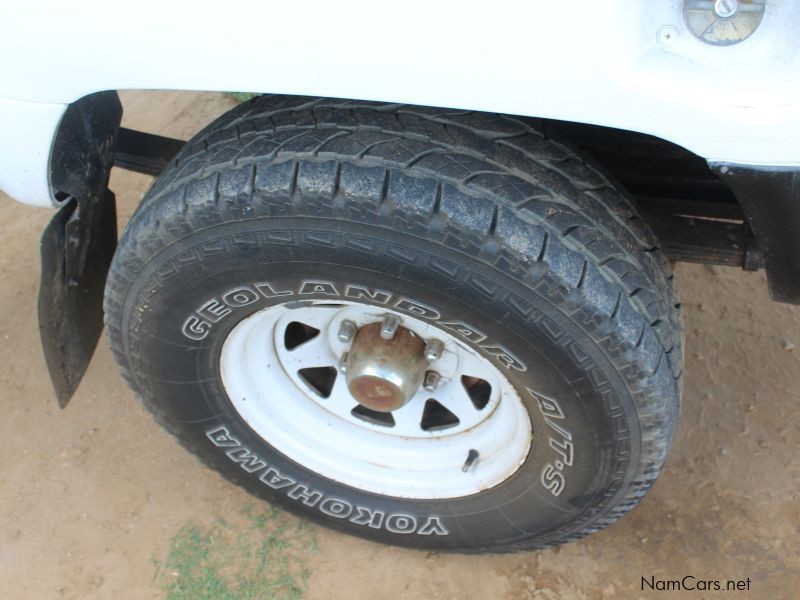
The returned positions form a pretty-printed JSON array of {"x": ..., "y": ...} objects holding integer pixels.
[
  {"x": 597, "y": 62},
  {"x": 26, "y": 135}
]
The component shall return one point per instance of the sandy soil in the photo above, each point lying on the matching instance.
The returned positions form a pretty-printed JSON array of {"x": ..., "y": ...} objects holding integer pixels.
[{"x": 92, "y": 498}]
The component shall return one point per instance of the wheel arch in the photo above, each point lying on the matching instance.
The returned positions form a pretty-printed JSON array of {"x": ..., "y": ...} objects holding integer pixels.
[{"x": 88, "y": 141}]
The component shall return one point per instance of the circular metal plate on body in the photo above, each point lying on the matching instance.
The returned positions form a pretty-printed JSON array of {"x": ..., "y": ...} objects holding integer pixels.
[{"x": 723, "y": 22}]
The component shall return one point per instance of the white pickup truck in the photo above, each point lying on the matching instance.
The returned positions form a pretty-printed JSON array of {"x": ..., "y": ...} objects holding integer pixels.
[{"x": 419, "y": 287}]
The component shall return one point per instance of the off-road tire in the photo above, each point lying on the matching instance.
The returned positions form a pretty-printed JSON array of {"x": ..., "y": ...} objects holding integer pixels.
[{"x": 493, "y": 220}]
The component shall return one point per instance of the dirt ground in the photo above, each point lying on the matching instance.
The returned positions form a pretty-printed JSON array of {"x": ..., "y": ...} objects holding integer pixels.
[{"x": 98, "y": 502}]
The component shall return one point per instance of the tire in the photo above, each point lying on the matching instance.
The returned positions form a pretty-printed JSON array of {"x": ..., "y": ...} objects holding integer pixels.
[{"x": 484, "y": 221}]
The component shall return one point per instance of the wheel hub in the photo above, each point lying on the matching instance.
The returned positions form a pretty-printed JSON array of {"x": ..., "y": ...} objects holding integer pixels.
[
  {"x": 385, "y": 366},
  {"x": 463, "y": 431}
]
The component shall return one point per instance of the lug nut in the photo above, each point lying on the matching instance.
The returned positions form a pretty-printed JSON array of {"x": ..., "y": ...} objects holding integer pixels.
[
  {"x": 389, "y": 326},
  {"x": 343, "y": 362},
  {"x": 347, "y": 329},
  {"x": 434, "y": 350},
  {"x": 431, "y": 381}
]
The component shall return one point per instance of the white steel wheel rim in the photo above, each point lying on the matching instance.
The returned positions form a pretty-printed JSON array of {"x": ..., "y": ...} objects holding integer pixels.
[{"x": 262, "y": 379}]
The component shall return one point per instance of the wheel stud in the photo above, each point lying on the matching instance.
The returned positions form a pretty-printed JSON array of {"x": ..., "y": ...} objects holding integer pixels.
[
  {"x": 347, "y": 329},
  {"x": 472, "y": 458},
  {"x": 389, "y": 326},
  {"x": 431, "y": 381},
  {"x": 433, "y": 350}
]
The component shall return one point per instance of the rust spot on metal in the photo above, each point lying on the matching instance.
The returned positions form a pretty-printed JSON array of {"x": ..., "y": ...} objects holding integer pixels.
[
  {"x": 382, "y": 374},
  {"x": 376, "y": 393}
]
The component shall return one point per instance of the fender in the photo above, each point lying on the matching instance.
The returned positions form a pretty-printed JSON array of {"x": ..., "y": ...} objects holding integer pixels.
[{"x": 606, "y": 62}]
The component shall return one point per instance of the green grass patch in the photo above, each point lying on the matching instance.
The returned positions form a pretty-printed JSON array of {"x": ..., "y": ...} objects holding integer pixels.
[
  {"x": 241, "y": 96},
  {"x": 261, "y": 555}
]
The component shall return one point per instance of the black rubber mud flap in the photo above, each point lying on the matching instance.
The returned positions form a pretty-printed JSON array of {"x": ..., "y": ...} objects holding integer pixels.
[
  {"x": 770, "y": 198},
  {"x": 76, "y": 247}
]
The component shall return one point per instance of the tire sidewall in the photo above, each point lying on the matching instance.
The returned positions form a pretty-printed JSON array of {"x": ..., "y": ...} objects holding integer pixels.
[{"x": 575, "y": 392}]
